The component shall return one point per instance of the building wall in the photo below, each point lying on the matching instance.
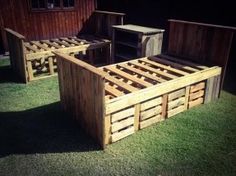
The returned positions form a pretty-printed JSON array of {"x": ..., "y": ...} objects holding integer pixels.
[{"x": 17, "y": 15}]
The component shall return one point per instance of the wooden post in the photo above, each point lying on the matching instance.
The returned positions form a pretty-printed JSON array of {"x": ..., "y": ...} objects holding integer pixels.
[
  {"x": 136, "y": 117},
  {"x": 50, "y": 63},
  {"x": 107, "y": 130},
  {"x": 186, "y": 97},
  {"x": 30, "y": 71},
  {"x": 164, "y": 106}
]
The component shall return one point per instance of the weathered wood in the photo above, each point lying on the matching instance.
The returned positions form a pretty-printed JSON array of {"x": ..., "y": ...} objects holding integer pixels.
[
  {"x": 160, "y": 89},
  {"x": 122, "y": 134},
  {"x": 150, "y": 112},
  {"x": 17, "y": 56},
  {"x": 176, "y": 94},
  {"x": 136, "y": 117},
  {"x": 144, "y": 41},
  {"x": 150, "y": 121},
  {"x": 151, "y": 103},
  {"x": 204, "y": 43},
  {"x": 122, "y": 124},
  {"x": 176, "y": 103},
  {"x": 197, "y": 87},
  {"x": 176, "y": 111},
  {"x": 164, "y": 106},
  {"x": 83, "y": 96},
  {"x": 195, "y": 102},
  {"x": 187, "y": 90},
  {"x": 107, "y": 130},
  {"x": 122, "y": 114},
  {"x": 125, "y": 112}
]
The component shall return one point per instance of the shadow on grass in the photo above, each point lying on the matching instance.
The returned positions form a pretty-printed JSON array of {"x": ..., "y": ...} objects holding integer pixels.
[
  {"x": 43, "y": 129},
  {"x": 7, "y": 75}
]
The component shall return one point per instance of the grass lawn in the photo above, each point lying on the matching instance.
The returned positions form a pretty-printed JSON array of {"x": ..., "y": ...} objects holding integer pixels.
[{"x": 37, "y": 138}]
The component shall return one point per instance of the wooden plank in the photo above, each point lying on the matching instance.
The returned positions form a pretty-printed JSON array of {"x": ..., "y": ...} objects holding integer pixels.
[
  {"x": 122, "y": 124},
  {"x": 128, "y": 76},
  {"x": 150, "y": 121},
  {"x": 60, "y": 42},
  {"x": 70, "y": 41},
  {"x": 151, "y": 103},
  {"x": 164, "y": 106},
  {"x": 196, "y": 95},
  {"x": 121, "y": 84},
  {"x": 195, "y": 102},
  {"x": 36, "y": 43},
  {"x": 136, "y": 117},
  {"x": 187, "y": 90},
  {"x": 208, "y": 90},
  {"x": 83, "y": 96},
  {"x": 80, "y": 63},
  {"x": 164, "y": 72},
  {"x": 176, "y": 103},
  {"x": 140, "y": 72},
  {"x": 115, "y": 92},
  {"x": 197, "y": 87},
  {"x": 50, "y": 63},
  {"x": 175, "y": 111},
  {"x": 176, "y": 94},
  {"x": 122, "y": 134},
  {"x": 160, "y": 89},
  {"x": 30, "y": 70},
  {"x": 82, "y": 41},
  {"x": 150, "y": 112},
  {"x": 122, "y": 114},
  {"x": 29, "y": 47},
  {"x": 160, "y": 73},
  {"x": 180, "y": 72},
  {"x": 187, "y": 63},
  {"x": 107, "y": 129},
  {"x": 217, "y": 87},
  {"x": 177, "y": 67},
  {"x": 51, "y": 44}
]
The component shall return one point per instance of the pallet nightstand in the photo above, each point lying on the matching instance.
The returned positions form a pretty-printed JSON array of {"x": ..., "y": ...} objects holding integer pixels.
[{"x": 132, "y": 41}]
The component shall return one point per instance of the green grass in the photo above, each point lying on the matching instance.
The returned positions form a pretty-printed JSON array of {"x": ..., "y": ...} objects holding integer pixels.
[{"x": 37, "y": 138}]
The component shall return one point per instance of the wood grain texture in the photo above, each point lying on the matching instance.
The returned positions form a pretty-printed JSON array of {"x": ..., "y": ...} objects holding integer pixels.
[
  {"x": 83, "y": 96},
  {"x": 35, "y": 25},
  {"x": 203, "y": 43}
]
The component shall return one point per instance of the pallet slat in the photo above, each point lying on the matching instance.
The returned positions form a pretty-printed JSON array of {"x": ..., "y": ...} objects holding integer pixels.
[
  {"x": 122, "y": 124},
  {"x": 197, "y": 87},
  {"x": 122, "y": 134},
  {"x": 122, "y": 114},
  {"x": 151, "y": 103},
  {"x": 150, "y": 121},
  {"x": 149, "y": 113}
]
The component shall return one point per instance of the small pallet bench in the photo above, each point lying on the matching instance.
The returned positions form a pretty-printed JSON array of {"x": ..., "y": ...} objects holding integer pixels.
[
  {"x": 33, "y": 60},
  {"x": 115, "y": 101}
]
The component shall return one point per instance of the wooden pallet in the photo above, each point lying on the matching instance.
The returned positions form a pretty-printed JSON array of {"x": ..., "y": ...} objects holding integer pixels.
[
  {"x": 35, "y": 59},
  {"x": 114, "y": 101}
]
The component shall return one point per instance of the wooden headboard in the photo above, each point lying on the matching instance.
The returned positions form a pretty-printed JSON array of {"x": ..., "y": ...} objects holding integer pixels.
[{"x": 207, "y": 44}]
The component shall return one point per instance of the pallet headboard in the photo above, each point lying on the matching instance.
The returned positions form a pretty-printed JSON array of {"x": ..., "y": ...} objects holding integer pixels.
[{"x": 203, "y": 43}]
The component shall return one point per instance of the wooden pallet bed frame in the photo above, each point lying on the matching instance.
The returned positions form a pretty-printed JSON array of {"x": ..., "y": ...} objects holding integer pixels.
[
  {"x": 115, "y": 101},
  {"x": 33, "y": 60}
]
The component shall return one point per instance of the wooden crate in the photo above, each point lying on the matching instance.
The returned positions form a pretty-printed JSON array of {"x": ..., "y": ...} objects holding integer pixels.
[{"x": 115, "y": 101}]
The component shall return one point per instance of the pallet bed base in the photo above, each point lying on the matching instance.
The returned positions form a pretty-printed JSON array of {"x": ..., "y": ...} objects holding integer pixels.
[
  {"x": 35, "y": 59},
  {"x": 115, "y": 101},
  {"x": 32, "y": 60}
]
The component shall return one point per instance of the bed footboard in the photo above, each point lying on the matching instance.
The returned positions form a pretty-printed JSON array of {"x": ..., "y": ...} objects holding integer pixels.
[{"x": 17, "y": 56}]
